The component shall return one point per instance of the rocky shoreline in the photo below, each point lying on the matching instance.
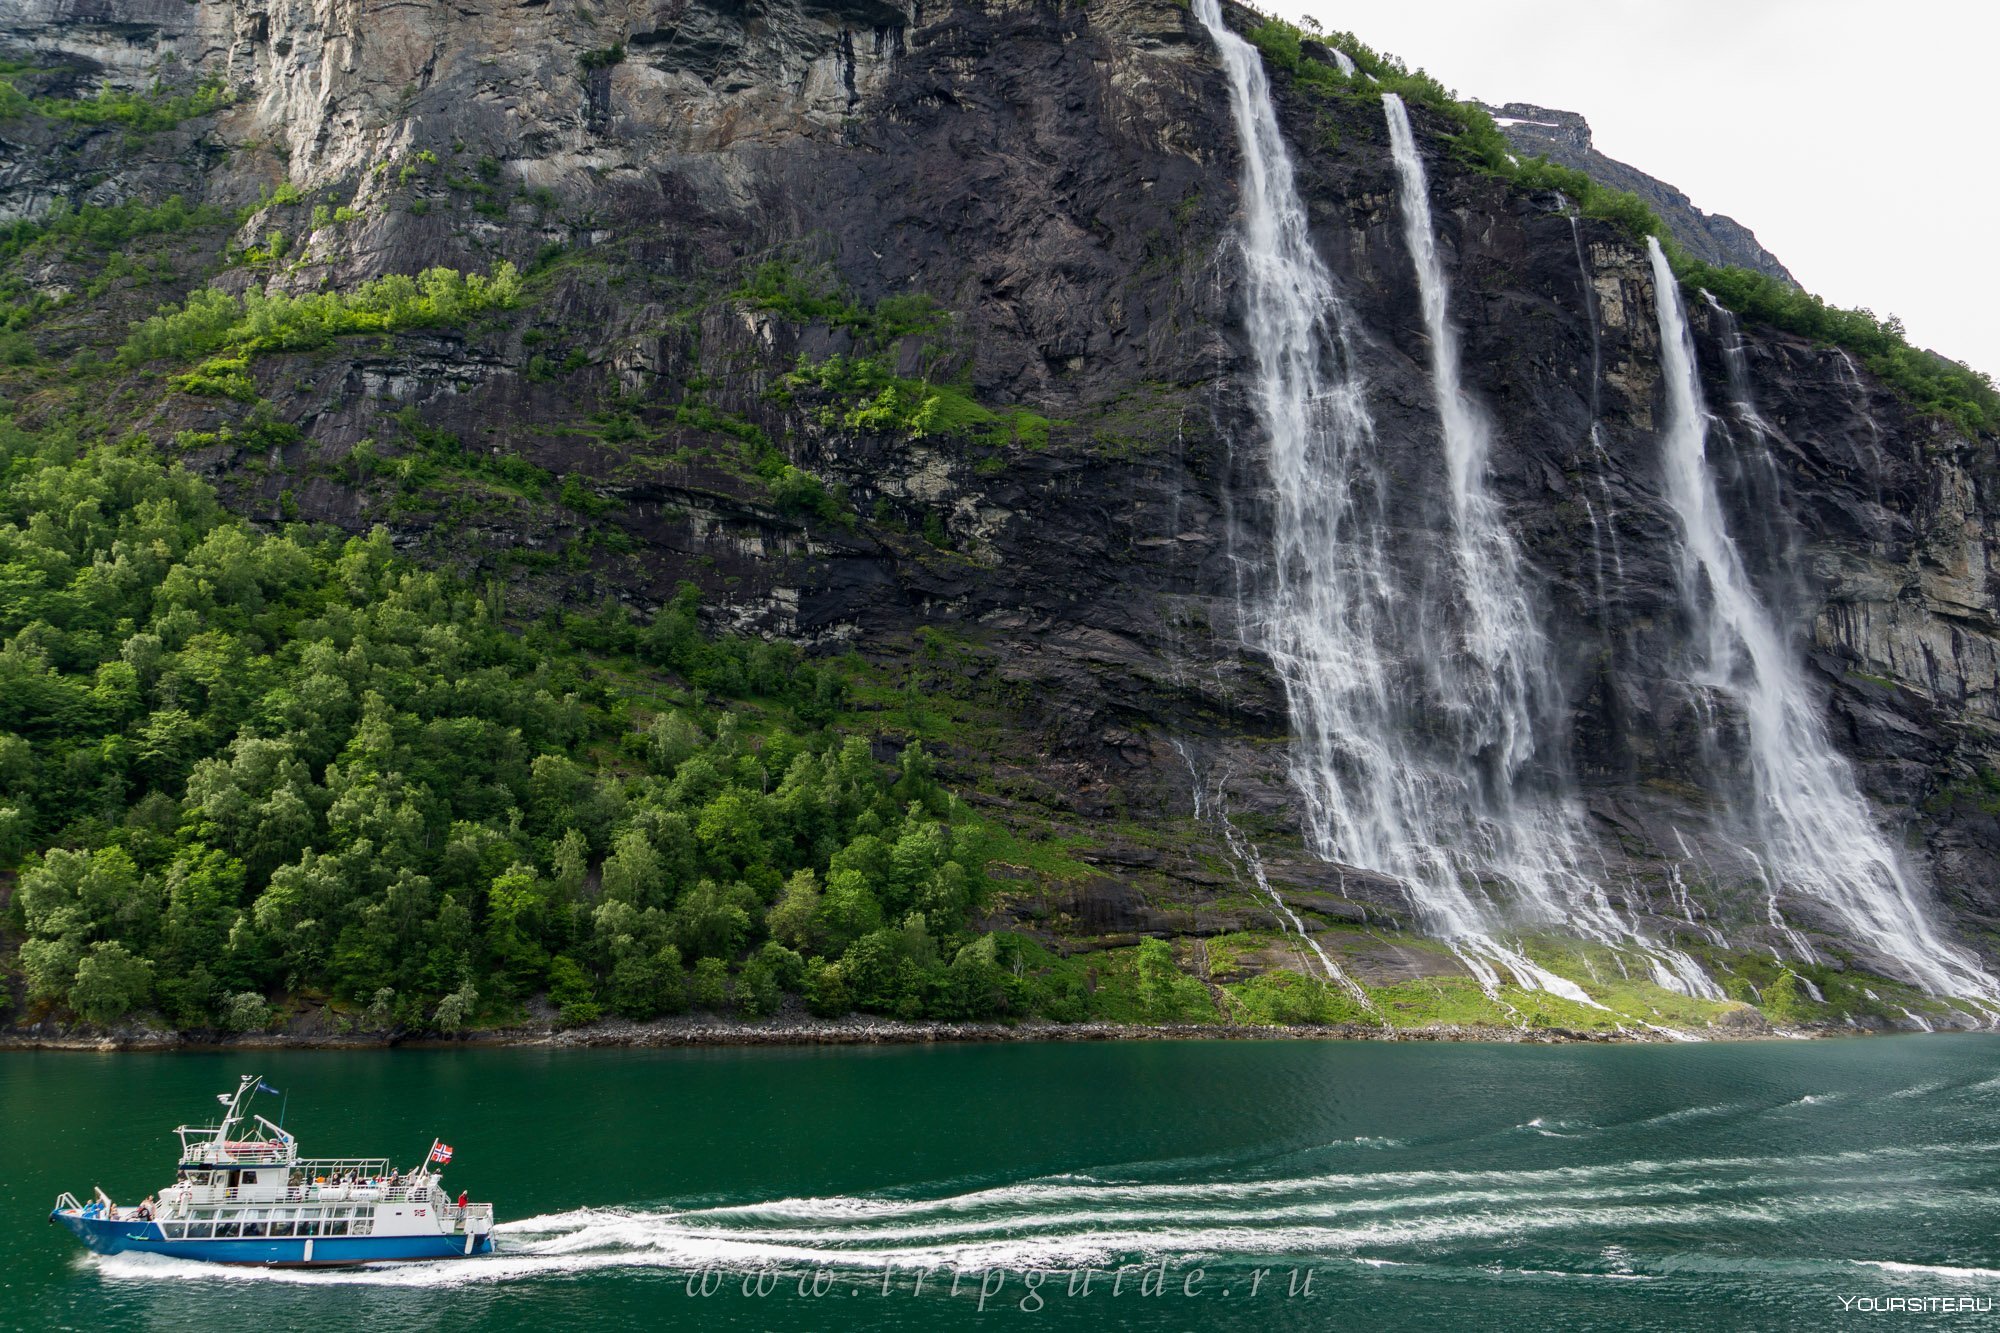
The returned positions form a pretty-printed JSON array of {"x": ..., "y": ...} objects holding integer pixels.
[{"x": 853, "y": 1030}]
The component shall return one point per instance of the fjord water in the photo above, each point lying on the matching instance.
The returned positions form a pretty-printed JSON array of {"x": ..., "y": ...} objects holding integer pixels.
[
  {"x": 1511, "y": 1186},
  {"x": 1816, "y": 832}
]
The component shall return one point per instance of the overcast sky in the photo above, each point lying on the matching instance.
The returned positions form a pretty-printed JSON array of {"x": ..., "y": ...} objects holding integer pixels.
[{"x": 1853, "y": 136}]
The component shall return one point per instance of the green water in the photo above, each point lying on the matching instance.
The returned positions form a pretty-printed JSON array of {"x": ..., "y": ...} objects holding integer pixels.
[{"x": 1664, "y": 1187}]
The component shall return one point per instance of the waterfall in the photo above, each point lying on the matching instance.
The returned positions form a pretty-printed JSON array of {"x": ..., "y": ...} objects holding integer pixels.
[
  {"x": 1412, "y": 664},
  {"x": 1819, "y": 838},
  {"x": 1500, "y": 688}
]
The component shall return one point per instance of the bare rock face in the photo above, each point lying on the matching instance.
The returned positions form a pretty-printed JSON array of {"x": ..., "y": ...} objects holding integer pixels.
[{"x": 1061, "y": 181}]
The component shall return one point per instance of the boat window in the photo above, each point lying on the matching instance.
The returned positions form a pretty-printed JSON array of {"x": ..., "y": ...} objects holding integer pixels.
[
  {"x": 336, "y": 1228},
  {"x": 281, "y": 1228},
  {"x": 228, "y": 1230},
  {"x": 254, "y": 1228},
  {"x": 249, "y": 1177},
  {"x": 200, "y": 1230},
  {"x": 309, "y": 1227},
  {"x": 175, "y": 1231}
]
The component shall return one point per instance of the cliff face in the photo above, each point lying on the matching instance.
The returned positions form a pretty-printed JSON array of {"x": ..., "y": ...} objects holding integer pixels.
[
  {"x": 1062, "y": 181},
  {"x": 1564, "y": 138}
]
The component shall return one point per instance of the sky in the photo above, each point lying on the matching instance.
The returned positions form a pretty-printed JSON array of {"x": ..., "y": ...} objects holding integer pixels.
[{"x": 1854, "y": 137}]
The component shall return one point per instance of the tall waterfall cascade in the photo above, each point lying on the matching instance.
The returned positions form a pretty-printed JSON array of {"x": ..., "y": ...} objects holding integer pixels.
[
  {"x": 1413, "y": 664},
  {"x": 1816, "y": 835}
]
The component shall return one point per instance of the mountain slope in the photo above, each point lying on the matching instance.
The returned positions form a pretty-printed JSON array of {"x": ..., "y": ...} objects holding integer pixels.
[{"x": 913, "y": 336}]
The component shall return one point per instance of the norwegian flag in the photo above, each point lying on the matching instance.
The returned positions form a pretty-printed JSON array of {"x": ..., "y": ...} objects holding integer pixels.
[{"x": 440, "y": 1152}]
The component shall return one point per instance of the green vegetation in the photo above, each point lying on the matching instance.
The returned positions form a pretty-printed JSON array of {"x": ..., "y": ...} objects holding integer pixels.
[
  {"x": 1478, "y": 140},
  {"x": 815, "y": 296},
  {"x": 218, "y": 377},
  {"x": 433, "y": 453},
  {"x": 243, "y": 772},
  {"x": 94, "y": 228},
  {"x": 1929, "y": 382},
  {"x": 862, "y": 393},
  {"x": 142, "y": 113},
  {"x": 1286, "y": 997},
  {"x": 258, "y": 323}
]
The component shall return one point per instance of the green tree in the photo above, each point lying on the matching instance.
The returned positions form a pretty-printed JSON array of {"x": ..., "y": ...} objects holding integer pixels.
[
  {"x": 711, "y": 983},
  {"x": 1784, "y": 1000},
  {"x": 757, "y": 991},
  {"x": 712, "y": 922},
  {"x": 633, "y": 872},
  {"x": 570, "y": 990},
  {"x": 794, "y": 918},
  {"x": 848, "y": 910},
  {"x": 110, "y": 983}
]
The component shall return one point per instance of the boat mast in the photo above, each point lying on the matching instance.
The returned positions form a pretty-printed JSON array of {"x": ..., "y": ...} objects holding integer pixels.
[{"x": 235, "y": 1112}]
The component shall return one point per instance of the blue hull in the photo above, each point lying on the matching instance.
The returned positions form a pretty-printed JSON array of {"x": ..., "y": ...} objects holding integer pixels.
[{"x": 123, "y": 1237}]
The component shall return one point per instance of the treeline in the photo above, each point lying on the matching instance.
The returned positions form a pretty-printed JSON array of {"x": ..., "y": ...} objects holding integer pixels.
[{"x": 241, "y": 770}]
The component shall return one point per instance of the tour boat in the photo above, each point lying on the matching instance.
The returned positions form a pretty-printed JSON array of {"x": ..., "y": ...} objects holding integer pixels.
[{"x": 254, "y": 1200}]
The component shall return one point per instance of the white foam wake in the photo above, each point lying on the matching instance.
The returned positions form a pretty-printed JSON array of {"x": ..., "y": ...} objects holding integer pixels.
[{"x": 1069, "y": 1221}]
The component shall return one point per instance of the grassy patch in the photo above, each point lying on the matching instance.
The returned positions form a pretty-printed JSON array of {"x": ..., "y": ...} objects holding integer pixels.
[{"x": 1286, "y": 997}]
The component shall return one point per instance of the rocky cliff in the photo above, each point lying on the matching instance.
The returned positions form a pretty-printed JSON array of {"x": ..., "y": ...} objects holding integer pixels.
[
  {"x": 708, "y": 197},
  {"x": 1564, "y": 137}
]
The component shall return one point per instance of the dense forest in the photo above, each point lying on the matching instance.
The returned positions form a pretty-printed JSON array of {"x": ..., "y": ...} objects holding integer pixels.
[
  {"x": 249, "y": 773},
  {"x": 291, "y": 766}
]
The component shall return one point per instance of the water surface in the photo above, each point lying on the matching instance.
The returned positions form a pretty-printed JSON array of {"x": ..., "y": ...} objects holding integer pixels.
[{"x": 1754, "y": 1185}]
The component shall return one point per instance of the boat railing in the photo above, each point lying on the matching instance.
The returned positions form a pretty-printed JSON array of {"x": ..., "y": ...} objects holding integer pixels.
[
  {"x": 359, "y": 1191},
  {"x": 66, "y": 1203},
  {"x": 246, "y": 1152},
  {"x": 470, "y": 1217}
]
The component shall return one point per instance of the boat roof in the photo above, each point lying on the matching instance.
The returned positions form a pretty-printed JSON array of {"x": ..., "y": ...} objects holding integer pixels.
[{"x": 259, "y": 1142}]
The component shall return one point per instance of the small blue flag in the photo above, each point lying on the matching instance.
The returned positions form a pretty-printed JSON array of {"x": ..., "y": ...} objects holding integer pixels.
[{"x": 262, "y": 1086}]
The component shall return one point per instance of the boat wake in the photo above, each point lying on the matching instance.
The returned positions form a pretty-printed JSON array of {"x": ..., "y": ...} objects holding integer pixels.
[{"x": 1071, "y": 1221}]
